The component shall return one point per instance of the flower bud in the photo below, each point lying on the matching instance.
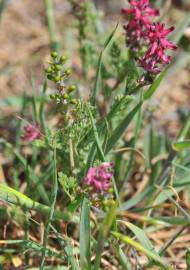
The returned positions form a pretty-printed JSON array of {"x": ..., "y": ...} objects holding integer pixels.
[
  {"x": 71, "y": 88},
  {"x": 65, "y": 96},
  {"x": 57, "y": 79},
  {"x": 52, "y": 96},
  {"x": 54, "y": 55},
  {"x": 73, "y": 101},
  {"x": 67, "y": 72},
  {"x": 58, "y": 67},
  {"x": 63, "y": 58},
  {"x": 48, "y": 70}
]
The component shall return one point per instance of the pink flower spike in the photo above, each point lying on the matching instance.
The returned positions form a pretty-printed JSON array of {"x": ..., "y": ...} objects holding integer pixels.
[
  {"x": 31, "y": 132},
  {"x": 99, "y": 177}
]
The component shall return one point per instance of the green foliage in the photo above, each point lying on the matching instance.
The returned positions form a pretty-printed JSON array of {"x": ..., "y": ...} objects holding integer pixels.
[{"x": 68, "y": 184}]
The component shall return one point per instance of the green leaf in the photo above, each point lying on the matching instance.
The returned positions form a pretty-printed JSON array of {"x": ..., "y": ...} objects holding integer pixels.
[
  {"x": 96, "y": 136},
  {"x": 181, "y": 145},
  {"x": 188, "y": 259},
  {"x": 98, "y": 71},
  {"x": 103, "y": 233},
  {"x": 151, "y": 255},
  {"x": 120, "y": 129},
  {"x": 85, "y": 235},
  {"x": 122, "y": 257},
  {"x": 141, "y": 236},
  {"x": 12, "y": 196},
  {"x": 152, "y": 89}
]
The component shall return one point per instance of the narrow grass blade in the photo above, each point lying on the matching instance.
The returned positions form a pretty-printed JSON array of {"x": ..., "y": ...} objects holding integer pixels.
[
  {"x": 101, "y": 152},
  {"x": 122, "y": 257},
  {"x": 96, "y": 136},
  {"x": 51, "y": 212},
  {"x": 2, "y": 7},
  {"x": 181, "y": 145},
  {"x": 103, "y": 233},
  {"x": 141, "y": 236},
  {"x": 98, "y": 71},
  {"x": 120, "y": 129},
  {"x": 170, "y": 241},
  {"x": 135, "y": 135},
  {"x": 151, "y": 255},
  {"x": 12, "y": 196},
  {"x": 70, "y": 256},
  {"x": 48, "y": 4},
  {"x": 41, "y": 108},
  {"x": 28, "y": 244},
  {"x": 187, "y": 257},
  {"x": 152, "y": 89},
  {"x": 136, "y": 199},
  {"x": 85, "y": 235}
]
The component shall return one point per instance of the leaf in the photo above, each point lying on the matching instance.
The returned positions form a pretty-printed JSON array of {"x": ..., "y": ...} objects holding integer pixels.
[
  {"x": 127, "y": 240},
  {"x": 181, "y": 145},
  {"x": 32, "y": 176},
  {"x": 187, "y": 257},
  {"x": 103, "y": 233},
  {"x": 122, "y": 257},
  {"x": 141, "y": 236},
  {"x": 98, "y": 71},
  {"x": 151, "y": 90},
  {"x": 85, "y": 235},
  {"x": 12, "y": 196},
  {"x": 136, "y": 199},
  {"x": 96, "y": 136},
  {"x": 120, "y": 129},
  {"x": 54, "y": 191}
]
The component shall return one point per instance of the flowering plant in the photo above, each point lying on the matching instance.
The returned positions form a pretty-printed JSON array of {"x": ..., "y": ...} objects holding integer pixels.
[{"x": 94, "y": 172}]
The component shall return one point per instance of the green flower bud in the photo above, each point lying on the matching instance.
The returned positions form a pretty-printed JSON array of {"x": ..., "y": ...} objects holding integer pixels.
[
  {"x": 57, "y": 79},
  {"x": 73, "y": 101},
  {"x": 65, "y": 96},
  {"x": 48, "y": 70},
  {"x": 63, "y": 58},
  {"x": 67, "y": 72},
  {"x": 52, "y": 96},
  {"x": 71, "y": 88},
  {"x": 54, "y": 55},
  {"x": 58, "y": 67}
]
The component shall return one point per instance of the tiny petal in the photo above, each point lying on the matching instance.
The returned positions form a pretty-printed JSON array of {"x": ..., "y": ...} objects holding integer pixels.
[{"x": 31, "y": 133}]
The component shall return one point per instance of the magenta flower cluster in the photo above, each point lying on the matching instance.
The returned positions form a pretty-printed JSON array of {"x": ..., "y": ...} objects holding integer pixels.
[
  {"x": 31, "y": 132},
  {"x": 98, "y": 178},
  {"x": 141, "y": 32}
]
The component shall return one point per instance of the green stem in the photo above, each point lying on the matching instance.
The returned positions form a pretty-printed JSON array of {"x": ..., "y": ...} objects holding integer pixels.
[{"x": 51, "y": 24}]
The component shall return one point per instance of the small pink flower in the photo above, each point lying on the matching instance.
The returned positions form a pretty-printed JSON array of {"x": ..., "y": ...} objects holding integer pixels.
[
  {"x": 99, "y": 177},
  {"x": 31, "y": 133},
  {"x": 140, "y": 11},
  {"x": 157, "y": 35}
]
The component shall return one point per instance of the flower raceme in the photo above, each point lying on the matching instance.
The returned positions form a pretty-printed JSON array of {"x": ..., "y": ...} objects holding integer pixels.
[
  {"x": 31, "y": 132},
  {"x": 141, "y": 32},
  {"x": 155, "y": 54},
  {"x": 140, "y": 12},
  {"x": 98, "y": 178}
]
